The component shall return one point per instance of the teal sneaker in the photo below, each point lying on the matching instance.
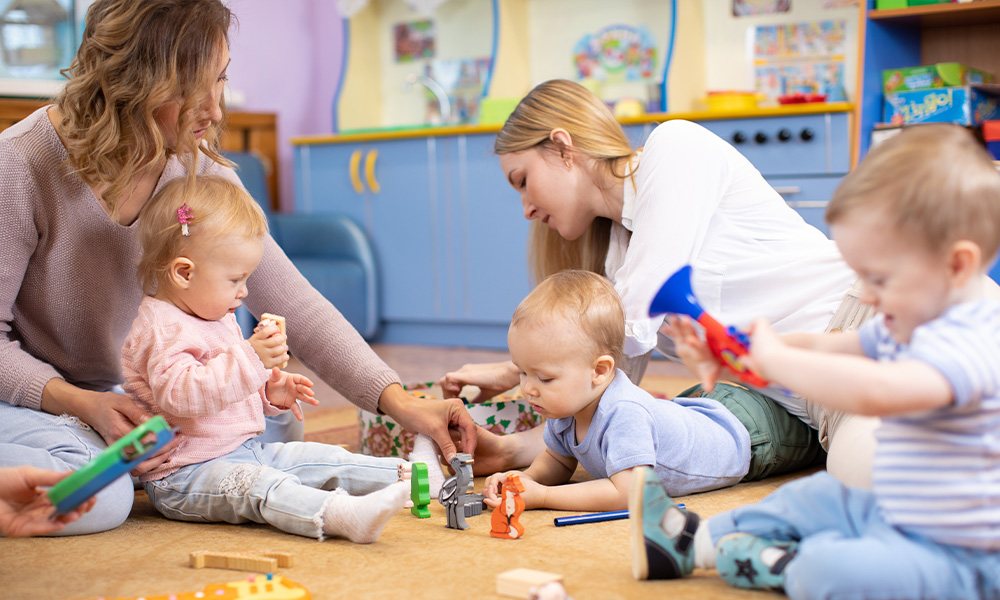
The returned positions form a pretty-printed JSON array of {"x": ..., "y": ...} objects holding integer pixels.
[
  {"x": 752, "y": 562},
  {"x": 656, "y": 555}
]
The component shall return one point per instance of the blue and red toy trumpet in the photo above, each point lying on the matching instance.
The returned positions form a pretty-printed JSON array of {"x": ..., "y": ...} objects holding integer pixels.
[{"x": 728, "y": 344}]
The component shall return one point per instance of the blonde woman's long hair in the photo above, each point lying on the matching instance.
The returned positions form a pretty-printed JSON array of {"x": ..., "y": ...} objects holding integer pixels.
[
  {"x": 137, "y": 56},
  {"x": 215, "y": 206},
  {"x": 562, "y": 104}
]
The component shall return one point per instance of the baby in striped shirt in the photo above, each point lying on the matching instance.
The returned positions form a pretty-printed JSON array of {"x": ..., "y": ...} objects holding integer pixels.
[{"x": 919, "y": 221}]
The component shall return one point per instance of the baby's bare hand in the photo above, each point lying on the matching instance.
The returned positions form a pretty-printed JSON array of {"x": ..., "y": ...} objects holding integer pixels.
[{"x": 270, "y": 344}]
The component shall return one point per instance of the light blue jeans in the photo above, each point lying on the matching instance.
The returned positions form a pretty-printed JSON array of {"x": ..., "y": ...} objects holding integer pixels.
[
  {"x": 62, "y": 443},
  {"x": 286, "y": 485},
  {"x": 846, "y": 550}
]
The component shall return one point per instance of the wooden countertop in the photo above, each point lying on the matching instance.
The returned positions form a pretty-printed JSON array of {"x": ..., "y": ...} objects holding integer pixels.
[{"x": 703, "y": 115}]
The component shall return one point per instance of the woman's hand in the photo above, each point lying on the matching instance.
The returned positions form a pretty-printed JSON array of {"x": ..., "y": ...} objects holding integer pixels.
[
  {"x": 490, "y": 378},
  {"x": 693, "y": 350},
  {"x": 270, "y": 344},
  {"x": 25, "y": 508},
  {"x": 431, "y": 417},
  {"x": 110, "y": 414},
  {"x": 284, "y": 389}
]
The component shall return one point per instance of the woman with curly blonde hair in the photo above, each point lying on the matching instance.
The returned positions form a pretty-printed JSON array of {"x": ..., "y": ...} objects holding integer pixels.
[{"x": 143, "y": 106}]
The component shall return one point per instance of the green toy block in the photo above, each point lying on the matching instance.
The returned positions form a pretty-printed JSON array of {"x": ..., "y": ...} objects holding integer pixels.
[
  {"x": 420, "y": 490},
  {"x": 940, "y": 75},
  {"x": 116, "y": 460}
]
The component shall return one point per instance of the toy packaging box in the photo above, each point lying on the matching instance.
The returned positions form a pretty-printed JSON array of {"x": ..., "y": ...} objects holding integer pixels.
[
  {"x": 991, "y": 135},
  {"x": 925, "y": 77},
  {"x": 965, "y": 105}
]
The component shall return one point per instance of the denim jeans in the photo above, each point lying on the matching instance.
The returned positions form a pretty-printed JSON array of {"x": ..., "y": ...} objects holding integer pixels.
[
  {"x": 64, "y": 443},
  {"x": 286, "y": 485},
  {"x": 846, "y": 549}
]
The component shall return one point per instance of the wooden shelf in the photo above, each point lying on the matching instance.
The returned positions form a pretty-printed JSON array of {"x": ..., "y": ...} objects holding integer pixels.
[{"x": 942, "y": 15}]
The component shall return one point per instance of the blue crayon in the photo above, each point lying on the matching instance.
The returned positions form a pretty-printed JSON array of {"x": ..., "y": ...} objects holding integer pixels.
[{"x": 594, "y": 517}]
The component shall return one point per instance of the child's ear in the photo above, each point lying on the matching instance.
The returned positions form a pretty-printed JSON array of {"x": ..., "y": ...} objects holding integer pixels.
[
  {"x": 181, "y": 271},
  {"x": 965, "y": 261},
  {"x": 604, "y": 369}
]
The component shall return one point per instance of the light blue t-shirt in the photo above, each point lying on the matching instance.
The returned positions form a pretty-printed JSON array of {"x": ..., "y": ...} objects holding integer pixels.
[
  {"x": 937, "y": 473},
  {"x": 694, "y": 444}
]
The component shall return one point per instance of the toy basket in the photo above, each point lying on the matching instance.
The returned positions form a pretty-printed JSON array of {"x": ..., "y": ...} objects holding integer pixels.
[{"x": 506, "y": 413}]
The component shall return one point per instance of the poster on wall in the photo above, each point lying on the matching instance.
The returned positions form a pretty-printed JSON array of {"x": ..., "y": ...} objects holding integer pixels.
[
  {"x": 746, "y": 8},
  {"x": 413, "y": 40},
  {"x": 800, "y": 58},
  {"x": 833, "y": 4},
  {"x": 616, "y": 53},
  {"x": 38, "y": 38}
]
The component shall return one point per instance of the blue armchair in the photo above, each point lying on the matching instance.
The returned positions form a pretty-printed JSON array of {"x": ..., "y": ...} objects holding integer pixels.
[{"x": 331, "y": 251}]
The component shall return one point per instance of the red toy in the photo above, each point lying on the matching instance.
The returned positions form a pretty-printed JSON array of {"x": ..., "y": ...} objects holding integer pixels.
[
  {"x": 727, "y": 344},
  {"x": 504, "y": 521}
]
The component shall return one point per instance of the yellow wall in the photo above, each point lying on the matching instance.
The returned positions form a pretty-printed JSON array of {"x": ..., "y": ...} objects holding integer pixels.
[
  {"x": 511, "y": 75},
  {"x": 360, "y": 103},
  {"x": 521, "y": 60},
  {"x": 686, "y": 79}
]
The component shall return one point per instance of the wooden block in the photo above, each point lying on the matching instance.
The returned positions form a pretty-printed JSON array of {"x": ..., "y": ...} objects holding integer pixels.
[
  {"x": 234, "y": 560},
  {"x": 280, "y": 322},
  {"x": 284, "y": 558},
  {"x": 517, "y": 583}
]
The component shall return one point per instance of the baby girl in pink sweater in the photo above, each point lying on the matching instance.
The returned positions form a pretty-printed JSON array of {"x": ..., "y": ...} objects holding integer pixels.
[{"x": 185, "y": 358}]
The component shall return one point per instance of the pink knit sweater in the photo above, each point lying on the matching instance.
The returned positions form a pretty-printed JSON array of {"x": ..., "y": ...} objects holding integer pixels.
[
  {"x": 68, "y": 290},
  {"x": 202, "y": 376}
]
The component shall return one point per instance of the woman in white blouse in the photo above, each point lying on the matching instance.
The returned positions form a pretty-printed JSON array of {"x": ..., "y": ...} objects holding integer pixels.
[{"x": 636, "y": 216}]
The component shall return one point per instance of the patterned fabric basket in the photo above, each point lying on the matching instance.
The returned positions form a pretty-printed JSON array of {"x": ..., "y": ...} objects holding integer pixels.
[{"x": 381, "y": 436}]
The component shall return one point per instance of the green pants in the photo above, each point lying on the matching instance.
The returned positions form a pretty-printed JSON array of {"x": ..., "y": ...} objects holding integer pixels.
[{"x": 779, "y": 442}]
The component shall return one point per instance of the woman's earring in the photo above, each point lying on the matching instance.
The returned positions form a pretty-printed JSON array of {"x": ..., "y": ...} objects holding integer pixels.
[{"x": 569, "y": 164}]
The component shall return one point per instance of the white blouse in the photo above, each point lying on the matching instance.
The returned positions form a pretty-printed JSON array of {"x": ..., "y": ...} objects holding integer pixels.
[{"x": 698, "y": 201}]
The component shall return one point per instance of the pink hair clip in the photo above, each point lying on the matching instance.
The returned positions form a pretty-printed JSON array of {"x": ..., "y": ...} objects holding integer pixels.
[{"x": 184, "y": 217}]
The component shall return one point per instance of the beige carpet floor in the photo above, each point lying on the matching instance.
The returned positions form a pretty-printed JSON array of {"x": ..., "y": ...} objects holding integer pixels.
[{"x": 413, "y": 558}]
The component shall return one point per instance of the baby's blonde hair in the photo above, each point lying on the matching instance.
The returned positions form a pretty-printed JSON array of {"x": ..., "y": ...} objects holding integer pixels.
[
  {"x": 563, "y": 104},
  {"x": 934, "y": 183},
  {"x": 135, "y": 58},
  {"x": 217, "y": 206},
  {"x": 584, "y": 299}
]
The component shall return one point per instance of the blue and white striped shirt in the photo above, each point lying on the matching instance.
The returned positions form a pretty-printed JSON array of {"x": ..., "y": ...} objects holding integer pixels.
[{"x": 937, "y": 473}]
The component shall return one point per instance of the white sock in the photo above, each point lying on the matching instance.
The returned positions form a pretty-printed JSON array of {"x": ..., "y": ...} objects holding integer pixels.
[
  {"x": 425, "y": 451},
  {"x": 404, "y": 473},
  {"x": 361, "y": 518},
  {"x": 704, "y": 549}
]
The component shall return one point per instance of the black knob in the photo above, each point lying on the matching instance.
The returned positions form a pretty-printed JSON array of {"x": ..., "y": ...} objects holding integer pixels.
[
  {"x": 760, "y": 137},
  {"x": 739, "y": 137},
  {"x": 784, "y": 135},
  {"x": 806, "y": 134}
]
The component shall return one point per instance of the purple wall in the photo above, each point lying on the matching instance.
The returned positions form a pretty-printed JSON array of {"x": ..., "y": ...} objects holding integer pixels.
[{"x": 286, "y": 59}]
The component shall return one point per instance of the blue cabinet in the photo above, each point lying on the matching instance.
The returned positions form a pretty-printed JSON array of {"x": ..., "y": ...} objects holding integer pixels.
[
  {"x": 395, "y": 210},
  {"x": 802, "y": 156},
  {"x": 449, "y": 233},
  {"x": 449, "y": 236}
]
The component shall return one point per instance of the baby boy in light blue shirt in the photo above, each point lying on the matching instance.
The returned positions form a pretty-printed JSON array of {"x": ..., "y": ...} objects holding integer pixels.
[{"x": 566, "y": 339}]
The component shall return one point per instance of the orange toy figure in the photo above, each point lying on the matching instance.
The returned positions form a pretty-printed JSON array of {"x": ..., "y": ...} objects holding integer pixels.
[{"x": 504, "y": 523}]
